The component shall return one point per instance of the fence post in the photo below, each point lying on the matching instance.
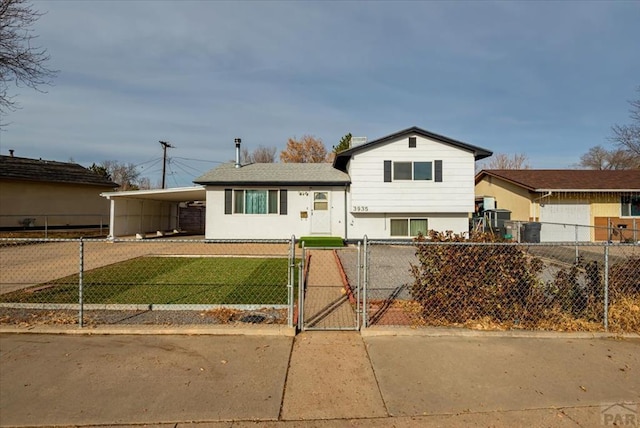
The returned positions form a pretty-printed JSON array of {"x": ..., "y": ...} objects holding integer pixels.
[
  {"x": 80, "y": 285},
  {"x": 606, "y": 287},
  {"x": 301, "y": 287},
  {"x": 292, "y": 269},
  {"x": 577, "y": 253},
  {"x": 365, "y": 277},
  {"x": 358, "y": 285}
]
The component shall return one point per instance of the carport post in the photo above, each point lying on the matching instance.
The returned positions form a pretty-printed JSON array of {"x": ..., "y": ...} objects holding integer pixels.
[
  {"x": 80, "y": 283},
  {"x": 606, "y": 286}
]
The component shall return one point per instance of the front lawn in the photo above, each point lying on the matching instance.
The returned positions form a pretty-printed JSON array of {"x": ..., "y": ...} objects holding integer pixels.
[{"x": 170, "y": 280}]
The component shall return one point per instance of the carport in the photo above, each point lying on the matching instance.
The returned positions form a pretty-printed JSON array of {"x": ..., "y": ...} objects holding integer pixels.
[{"x": 141, "y": 212}]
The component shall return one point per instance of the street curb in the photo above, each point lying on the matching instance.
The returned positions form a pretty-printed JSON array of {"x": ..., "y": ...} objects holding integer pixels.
[
  {"x": 191, "y": 330},
  {"x": 451, "y": 332}
]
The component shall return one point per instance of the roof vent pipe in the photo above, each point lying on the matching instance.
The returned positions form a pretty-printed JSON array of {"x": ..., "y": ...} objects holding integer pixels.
[
  {"x": 237, "y": 141},
  {"x": 11, "y": 152}
]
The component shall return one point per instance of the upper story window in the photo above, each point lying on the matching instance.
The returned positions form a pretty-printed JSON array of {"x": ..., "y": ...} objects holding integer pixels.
[
  {"x": 411, "y": 171},
  {"x": 630, "y": 206},
  {"x": 413, "y": 142}
]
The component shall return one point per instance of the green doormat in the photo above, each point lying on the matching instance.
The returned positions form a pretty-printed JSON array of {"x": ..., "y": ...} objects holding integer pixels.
[{"x": 321, "y": 241}]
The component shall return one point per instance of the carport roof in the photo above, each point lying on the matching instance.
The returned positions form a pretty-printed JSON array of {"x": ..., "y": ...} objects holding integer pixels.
[{"x": 178, "y": 194}]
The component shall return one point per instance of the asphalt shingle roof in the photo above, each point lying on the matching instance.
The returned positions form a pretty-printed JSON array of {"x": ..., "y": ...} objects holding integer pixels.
[
  {"x": 568, "y": 179},
  {"x": 15, "y": 168},
  {"x": 275, "y": 173}
]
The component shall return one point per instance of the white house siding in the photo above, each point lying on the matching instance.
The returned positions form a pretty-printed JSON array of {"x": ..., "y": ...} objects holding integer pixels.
[
  {"x": 378, "y": 226},
  {"x": 273, "y": 226},
  {"x": 370, "y": 194}
]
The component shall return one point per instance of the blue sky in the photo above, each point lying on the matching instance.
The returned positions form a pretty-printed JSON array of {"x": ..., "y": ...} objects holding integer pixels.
[{"x": 547, "y": 79}]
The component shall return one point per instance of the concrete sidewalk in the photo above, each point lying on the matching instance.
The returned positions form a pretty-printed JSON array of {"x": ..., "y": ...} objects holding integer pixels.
[{"x": 320, "y": 379}]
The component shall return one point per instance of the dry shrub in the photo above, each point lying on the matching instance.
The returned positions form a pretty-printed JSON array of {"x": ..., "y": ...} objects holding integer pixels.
[
  {"x": 456, "y": 281},
  {"x": 223, "y": 315},
  {"x": 624, "y": 315}
]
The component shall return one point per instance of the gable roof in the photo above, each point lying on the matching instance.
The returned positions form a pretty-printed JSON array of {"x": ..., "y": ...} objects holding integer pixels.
[
  {"x": 568, "y": 180},
  {"x": 15, "y": 168},
  {"x": 343, "y": 157},
  {"x": 262, "y": 174}
]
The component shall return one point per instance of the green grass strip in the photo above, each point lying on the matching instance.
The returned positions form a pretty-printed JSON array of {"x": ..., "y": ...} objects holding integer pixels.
[{"x": 170, "y": 280}]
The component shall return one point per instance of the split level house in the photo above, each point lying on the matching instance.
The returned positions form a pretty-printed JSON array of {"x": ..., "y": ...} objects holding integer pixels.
[
  {"x": 37, "y": 193},
  {"x": 570, "y": 204},
  {"x": 394, "y": 187},
  {"x": 397, "y": 186}
]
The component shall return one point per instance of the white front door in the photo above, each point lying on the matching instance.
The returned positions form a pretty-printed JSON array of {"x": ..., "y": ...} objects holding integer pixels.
[{"x": 320, "y": 213}]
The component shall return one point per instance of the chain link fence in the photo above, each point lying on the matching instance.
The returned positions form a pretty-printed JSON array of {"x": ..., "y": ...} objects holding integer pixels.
[
  {"x": 503, "y": 286},
  {"x": 491, "y": 286},
  {"x": 155, "y": 281}
]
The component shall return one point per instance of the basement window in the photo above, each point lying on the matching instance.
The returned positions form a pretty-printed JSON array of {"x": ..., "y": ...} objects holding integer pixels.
[{"x": 408, "y": 227}]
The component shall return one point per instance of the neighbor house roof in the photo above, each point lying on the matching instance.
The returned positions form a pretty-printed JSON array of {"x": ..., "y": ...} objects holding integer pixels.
[
  {"x": 262, "y": 174},
  {"x": 567, "y": 180},
  {"x": 343, "y": 157},
  {"x": 15, "y": 168}
]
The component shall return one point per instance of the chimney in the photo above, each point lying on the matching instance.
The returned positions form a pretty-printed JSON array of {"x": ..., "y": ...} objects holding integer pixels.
[
  {"x": 11, "y": 152},
  {"x": 238, "y": 141}
]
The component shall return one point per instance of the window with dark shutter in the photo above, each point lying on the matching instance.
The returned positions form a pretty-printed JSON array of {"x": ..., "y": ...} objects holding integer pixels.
[
  {"x": 412, "y": 142},
  {"x": 283, "y": 201},
  {"x": 438, "y": 171},
  {"x": 228, "y": 201},
  {"x": 387, "y": 171}
]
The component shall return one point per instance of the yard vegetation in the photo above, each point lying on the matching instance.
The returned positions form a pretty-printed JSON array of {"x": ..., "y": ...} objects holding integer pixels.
[
  {"x": 170, "y": 280},
  {"x": 500, "y": 286}
]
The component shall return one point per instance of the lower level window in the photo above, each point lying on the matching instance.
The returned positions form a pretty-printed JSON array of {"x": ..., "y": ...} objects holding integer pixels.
[
  {"x": 255, "y": 202},
  {"x": 630, "y": 206},
  {"x": 408, "y": 226}
]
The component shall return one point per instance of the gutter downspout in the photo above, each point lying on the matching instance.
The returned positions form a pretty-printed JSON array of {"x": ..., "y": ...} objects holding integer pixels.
[
  {"x": 346, "y": 226},
  {"x": 537, "y": 218}
]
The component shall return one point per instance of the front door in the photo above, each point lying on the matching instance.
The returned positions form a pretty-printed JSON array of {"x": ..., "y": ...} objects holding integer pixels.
[{"x": 320, "y": 214}]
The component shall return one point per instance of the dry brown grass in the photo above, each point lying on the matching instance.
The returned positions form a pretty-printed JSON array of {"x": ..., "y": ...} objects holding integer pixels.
[{"x": 624, "y": 315}]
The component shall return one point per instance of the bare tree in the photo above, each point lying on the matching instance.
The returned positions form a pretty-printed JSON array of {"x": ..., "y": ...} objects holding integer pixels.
[
  {"x": 307, "y": 149},
  {"x": 600, "y": 158},
  {"x": 260, "y": 155},
  {"x": 21, "y": 61},
  {"x": 125, "y": 174},
  {"x": 505, "y": 161},
  {"x": 627, "y": 137}
]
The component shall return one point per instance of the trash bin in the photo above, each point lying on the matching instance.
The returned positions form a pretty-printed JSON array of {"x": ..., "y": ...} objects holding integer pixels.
[{"x": 531, "y": 232}]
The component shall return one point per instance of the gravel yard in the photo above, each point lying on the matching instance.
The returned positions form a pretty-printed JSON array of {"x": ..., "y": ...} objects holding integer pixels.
[{"x": 28, "y": 317}]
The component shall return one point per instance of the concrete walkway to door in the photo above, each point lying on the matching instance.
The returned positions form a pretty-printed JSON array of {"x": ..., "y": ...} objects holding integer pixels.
[{"x": 326, "y": 303}]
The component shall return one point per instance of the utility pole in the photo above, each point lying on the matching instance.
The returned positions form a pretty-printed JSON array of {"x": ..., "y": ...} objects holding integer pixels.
[{"x": 164, "y": 159}]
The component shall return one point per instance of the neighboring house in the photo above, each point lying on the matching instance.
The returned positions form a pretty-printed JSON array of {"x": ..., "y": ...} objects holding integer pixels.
[
  {"x": 36, "y": 193},
  {"x": 606, "y": 202},
  {"x": 393, "y": 187}
]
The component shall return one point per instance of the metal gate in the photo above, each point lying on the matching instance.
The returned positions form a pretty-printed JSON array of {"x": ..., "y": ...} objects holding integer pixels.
[{"x": 329, "y": 296}]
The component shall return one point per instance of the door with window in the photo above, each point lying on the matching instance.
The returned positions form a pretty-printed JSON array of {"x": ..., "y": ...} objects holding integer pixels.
[{"x": 320, "y": 214}]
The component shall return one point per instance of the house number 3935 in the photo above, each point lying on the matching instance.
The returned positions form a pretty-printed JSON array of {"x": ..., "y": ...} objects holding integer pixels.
[{"x": 360, "y": 208}]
